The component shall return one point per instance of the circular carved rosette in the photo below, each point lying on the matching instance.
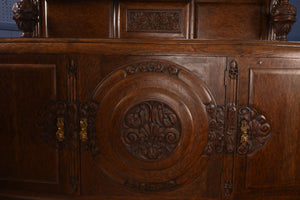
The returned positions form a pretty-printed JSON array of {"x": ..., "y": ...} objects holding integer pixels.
[
  {"x": 151, "y": 130},
  {"x": 152, "y": 126}
]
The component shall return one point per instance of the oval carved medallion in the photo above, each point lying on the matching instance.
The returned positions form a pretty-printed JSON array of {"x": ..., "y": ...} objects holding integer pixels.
[{"x": 151, "y": 130}]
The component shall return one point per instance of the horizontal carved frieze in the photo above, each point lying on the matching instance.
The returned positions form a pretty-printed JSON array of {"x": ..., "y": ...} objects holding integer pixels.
[{"x": 159, "y": 21}]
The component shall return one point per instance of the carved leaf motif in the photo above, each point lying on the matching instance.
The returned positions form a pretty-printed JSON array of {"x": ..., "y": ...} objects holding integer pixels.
[
  {"x": 146, "y": 20},
  {"x": 215, "y": 142},
  {"x": 151, "y": 130},
  {"x": 47, "y": 123},
  {"x": 258, "y": 130},
  {"x": 89, "y": 111},
  {"x": 152, "y": 66}
]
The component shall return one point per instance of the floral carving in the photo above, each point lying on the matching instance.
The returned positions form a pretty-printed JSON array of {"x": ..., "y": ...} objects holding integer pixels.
[
  {"x": 166, "y": 21},
  {"x": 152, "y": 66},
  {"x": 151, "y": 130},
  {"x": 216, "y": 129},
  {"x": 47, "y": 123},
  {"x": 89, "y": 111},
  {"x": 258, "y": 130}
]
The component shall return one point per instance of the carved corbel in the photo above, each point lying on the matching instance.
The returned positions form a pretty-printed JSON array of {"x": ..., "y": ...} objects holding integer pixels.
[
  {"x": 26, "y": 16},
  {"x": 283, "y": 16}
]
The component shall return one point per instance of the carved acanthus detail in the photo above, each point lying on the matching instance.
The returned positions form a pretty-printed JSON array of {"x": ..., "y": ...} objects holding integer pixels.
[
  {"x": 257, "y": 128},
  {"x": 47, "y": 123},
  {"x": 26, "y": 16},
  {"x": 152, "y": 66},
  {"x": 283, "y": 16},
  {"x": 160, "y": 21},
  {"x": 89, "y": 112},
  {"x": 216, "y": 129},
  {"x": 151, "y": 130}
]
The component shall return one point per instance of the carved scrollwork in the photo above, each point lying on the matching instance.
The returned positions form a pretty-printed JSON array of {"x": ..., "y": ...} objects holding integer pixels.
[
  {"x": 89, "y": 112},
  {"x": 151, "y": 187},
  {"x": 283, "y": 16},
  {"x": 216, "y": 129},
  {"x": 151, "y": 130},
  {"x": 152, "y": 66},
  {"x": 26, "y": 16},
  {"x": 47, "y": 123},
  {"x": 159, "y": 21},
  {"x": 257, "y": 128}
]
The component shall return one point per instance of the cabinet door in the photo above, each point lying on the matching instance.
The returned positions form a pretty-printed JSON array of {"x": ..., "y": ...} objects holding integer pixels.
[
  {"x": 272, "y": 169},
  {"x": 31, "y": 160},
  {"x": 152, "y": 126}
]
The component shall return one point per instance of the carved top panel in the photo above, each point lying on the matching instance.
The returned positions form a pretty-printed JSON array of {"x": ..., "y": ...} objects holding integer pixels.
[{"x": 157, "y": 21}]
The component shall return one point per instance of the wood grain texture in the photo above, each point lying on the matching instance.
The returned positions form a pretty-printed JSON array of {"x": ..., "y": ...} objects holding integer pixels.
[
  {"x": 276, "y": 175},
  {"x": 79, "y": 19},
  {"x": 27, "y": 160},
  {"x": 105, "y": 80},
  {"x": 229, "y": 21},
  {"x": 172, "y": 19}
]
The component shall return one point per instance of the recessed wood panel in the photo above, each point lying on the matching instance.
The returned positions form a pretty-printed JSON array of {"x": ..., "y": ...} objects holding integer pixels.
[
  {"x": 275, "y": 92},
  {"x": 154, "y": 20},
  {"x": 79, "y": 19},
  {"x": 25, "y": 158},
  {"x": 243, "y": 21}
]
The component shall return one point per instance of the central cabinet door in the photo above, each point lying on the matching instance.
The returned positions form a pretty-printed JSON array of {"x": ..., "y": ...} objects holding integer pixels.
[{"x": 148, "y": 125}]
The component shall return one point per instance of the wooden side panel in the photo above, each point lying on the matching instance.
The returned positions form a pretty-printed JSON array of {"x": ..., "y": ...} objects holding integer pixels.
[
  {"x": 274, "y": 170},
  {"x": 242, "y": 21},
  {"x": 169, "y": 20},
  {"x": 79, "y": 19},
  {"x": 281, "y": 164}
]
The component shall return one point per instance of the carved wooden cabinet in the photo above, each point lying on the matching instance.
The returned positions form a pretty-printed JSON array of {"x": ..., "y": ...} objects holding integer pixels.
[{"x": 113, "y": 119}]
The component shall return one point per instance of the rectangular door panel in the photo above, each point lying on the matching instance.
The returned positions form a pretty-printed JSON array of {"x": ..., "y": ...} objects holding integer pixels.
[
  {"x": 281, "y": 101},
  {"x": 28, "y": 162},
  {"x": 274, "y": 169}
]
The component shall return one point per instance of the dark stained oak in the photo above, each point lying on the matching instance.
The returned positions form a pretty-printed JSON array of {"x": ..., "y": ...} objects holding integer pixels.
[
  {"x": 164, "y": 119},
  {"x": 158, "y": 19},
  {"x": 118, "y": 102}
]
